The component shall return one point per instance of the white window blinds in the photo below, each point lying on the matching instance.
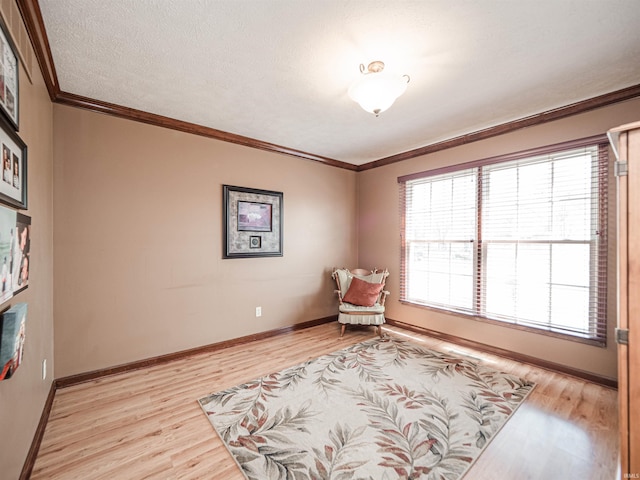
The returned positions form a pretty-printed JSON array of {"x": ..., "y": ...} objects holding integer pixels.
[
  {"x": 521, "y": 240},
  {"x": 440, "y": 232}
]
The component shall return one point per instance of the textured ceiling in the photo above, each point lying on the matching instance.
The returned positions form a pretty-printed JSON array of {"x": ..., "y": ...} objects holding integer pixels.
[{"x": 278, "y": 71}]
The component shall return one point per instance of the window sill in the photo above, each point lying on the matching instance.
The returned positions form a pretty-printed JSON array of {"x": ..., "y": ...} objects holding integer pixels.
[{"x": 602, "y": 343}]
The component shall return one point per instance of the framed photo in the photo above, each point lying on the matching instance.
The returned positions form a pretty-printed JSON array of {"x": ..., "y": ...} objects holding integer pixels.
[
  {"x": 21, "y": 254},
  {"x": 13, "y": 179},
  {"x": 9, "y": 97},
  {"x": 254, "y": 216},
  {"x": 252, "y": 222},
  {"x": 12, "y": 333},
  {"x": 15, "y": 252}
]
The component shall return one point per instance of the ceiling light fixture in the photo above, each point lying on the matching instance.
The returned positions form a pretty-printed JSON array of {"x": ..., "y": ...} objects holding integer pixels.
[{"x": 376, "y": 90}]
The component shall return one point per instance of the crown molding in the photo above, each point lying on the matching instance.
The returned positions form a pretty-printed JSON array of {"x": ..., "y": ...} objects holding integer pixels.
[
  {"x": 537, "y": 119},
  {"x": 78, "y": 101},
  {"x": 34, "y": 24}
]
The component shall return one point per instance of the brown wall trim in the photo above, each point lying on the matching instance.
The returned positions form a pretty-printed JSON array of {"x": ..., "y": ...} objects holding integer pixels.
[
  {"x": 34, "y": 23},
  {"x": 63, "y": 382},
  {"x": 501, "y": 352},
  {"x": 30, "y": 461},
  {"x": 149, "y": 362},
  {"x": 86, "y": 377},
  {"x": 32, "y": 16},
  {"x": 538, "y": 119},
  {"x": 65, "y": 98},
  {"x": 532, "y": 152}
]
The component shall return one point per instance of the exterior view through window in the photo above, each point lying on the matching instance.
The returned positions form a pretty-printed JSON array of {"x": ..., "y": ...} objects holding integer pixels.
[{"x": 520, "y": 241}]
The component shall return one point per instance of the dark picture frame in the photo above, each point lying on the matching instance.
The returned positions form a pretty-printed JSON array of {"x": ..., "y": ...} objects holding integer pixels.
[
  {"x": 252, "y": 222},
  {"x": 12, "y": 335},
  {"x": 9, "y": 84},
  {"x": 13, "y": 175}
]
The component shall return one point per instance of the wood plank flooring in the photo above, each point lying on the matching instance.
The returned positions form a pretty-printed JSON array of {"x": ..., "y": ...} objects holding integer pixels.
[{"x": 147, "y": 424}]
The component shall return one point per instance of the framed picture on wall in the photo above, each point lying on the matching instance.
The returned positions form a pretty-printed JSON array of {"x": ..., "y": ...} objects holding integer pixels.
[
  {"x": 7, "y": 249},
  {"x": 21, "y": 254},
  {"x": 9, "y": 68},
  {"x": 252, "y": 222},
  {"x": 13, "y": 179},
  {"x": 12, "y": 334},
  {"x": 15, "y": 252}
]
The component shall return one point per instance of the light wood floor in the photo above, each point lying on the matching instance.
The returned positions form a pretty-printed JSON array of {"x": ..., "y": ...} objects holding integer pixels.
[{"x": 147, "y": 424}]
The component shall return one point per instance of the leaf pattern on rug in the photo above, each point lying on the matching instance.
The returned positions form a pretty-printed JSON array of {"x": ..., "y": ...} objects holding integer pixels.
[
  {"x": 381, "y": 409},
  {"x": 483, "y": 413},
  {"x": 262, "y": 440},
  {"x": 400, "y": 351},
  {"x": 443, "y": 366},
  {"x": 401, "y": 443},
  {"x": 327, "y": 378},
  {"x": 365, "y": 361},
  {"x": 332, "y": 461}
]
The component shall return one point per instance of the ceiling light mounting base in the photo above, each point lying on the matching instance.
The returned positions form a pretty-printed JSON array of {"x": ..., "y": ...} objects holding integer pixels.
[{"x": 373, "y": 67}]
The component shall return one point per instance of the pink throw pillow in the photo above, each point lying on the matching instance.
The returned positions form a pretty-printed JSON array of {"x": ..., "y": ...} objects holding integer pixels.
[{"x": 362, "y": 293}]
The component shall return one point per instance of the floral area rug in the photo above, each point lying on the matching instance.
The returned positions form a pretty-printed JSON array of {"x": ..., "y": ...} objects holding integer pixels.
[{"x": 382, "y": 409}]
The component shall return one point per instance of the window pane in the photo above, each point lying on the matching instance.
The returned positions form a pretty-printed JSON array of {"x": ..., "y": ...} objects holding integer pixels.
[
  {"x": 500, "y": 214},
  {"x": 500, "y": 280},
  {"x": 461, "y": 291},
  {"x": 418, "y": 211},
  {"x": 417, "y": 276},
  {"x": 464, "y": 206},
  {"x": 570, "y": 307},
  {"x": 533, "y": 199},
  {"x": 517, "y": 282},
  {"x": 570, "y": 265},
  {"x": 572, "y": 219},
  {"x": 441, "y": 273},
  {"x": 534, "y": 304},
  {"x": 533, "y": 274},
  {"x": 572, "y": 195}
]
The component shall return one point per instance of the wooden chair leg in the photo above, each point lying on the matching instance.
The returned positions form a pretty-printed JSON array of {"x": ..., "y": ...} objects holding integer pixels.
[
  {"x": 380, "y": 330},
  {"x": 344, "y": 326}
]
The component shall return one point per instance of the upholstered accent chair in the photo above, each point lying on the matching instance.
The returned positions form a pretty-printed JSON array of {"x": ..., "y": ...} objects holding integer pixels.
[{"x": 361, "y": 295}]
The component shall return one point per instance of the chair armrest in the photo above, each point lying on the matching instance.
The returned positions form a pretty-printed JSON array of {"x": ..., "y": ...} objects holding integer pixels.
[
  {"x": 339, "y": 293},
  {"x": 383, "y": 296}
]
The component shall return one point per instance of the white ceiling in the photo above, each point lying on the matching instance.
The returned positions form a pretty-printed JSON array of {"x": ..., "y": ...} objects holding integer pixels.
[{"x": 278, "y": 71}]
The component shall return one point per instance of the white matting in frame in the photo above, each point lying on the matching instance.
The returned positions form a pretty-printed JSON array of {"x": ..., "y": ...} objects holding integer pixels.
[{"x": 13, "y": 178}]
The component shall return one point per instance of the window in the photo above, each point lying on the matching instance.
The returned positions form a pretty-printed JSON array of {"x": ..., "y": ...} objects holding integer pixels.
[{"x": 519, "y": 239}]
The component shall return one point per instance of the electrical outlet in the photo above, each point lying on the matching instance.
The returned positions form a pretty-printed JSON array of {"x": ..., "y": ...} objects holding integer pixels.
[
  {"x": 44, "y": 369},
  {"x": 258, "y": 311}
]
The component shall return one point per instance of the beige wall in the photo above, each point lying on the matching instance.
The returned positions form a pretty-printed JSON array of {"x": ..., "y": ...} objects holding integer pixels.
[
  {"x": 379, "y": 238},
  {"x": 138, "y": 258},
  {"x": 23, "y": 395}
]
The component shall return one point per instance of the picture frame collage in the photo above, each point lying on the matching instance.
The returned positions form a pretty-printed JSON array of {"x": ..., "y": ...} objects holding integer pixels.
[
  {"x": 13, "y": 151},
  {"x": 15, "y": 227}
]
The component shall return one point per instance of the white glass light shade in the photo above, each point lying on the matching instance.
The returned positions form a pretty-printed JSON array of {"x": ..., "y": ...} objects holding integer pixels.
[{"x": 376, "y": 91}]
